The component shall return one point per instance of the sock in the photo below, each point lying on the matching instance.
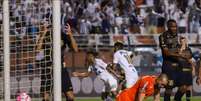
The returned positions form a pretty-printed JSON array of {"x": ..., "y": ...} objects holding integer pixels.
[
  {"x": 44, "y": 100},
  {"x": 69, "y": 99},
  {"x": 104, "y": 95},
  {"x": 188, "y": 95},
  {"x": 178, "y": 96},
  {"x": 167, "y": 97}
]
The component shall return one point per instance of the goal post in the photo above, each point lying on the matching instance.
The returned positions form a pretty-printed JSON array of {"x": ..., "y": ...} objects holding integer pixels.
[
  {"x": 6, "y": 50},
  {"x": 57, "y": 49}
]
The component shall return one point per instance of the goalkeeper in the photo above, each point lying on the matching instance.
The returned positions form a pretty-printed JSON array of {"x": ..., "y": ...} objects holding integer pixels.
[{"x": 67, "y": 39}]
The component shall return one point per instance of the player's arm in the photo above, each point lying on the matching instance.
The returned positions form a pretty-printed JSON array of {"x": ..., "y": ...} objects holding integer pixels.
[
  {"x": 156, "y": 94},
  {"x": 39, "y": 40},
  {"x": 199, "y": 74},
  {"x": 141, "y": 95},
  {"x": 191, "y": 61},
  {"x": 71, "y": 38},
  {"x": 141, "y": 92},
  {"x": 81, "y": 74},
  {"x": 111, "y": 69},
  {"x": 164, "y": 48},
  {"x": 167, "y": 52}
]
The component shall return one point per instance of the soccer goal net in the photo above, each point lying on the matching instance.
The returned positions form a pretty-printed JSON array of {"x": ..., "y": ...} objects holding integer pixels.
[{"x": 31, "y": 48}]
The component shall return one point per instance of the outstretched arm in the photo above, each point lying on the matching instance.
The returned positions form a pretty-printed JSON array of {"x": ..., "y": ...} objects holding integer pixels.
[
  {"x": 81, "y": 74},
  {"x": 110, "y": 68},
  {"x": 72, "y": 40},
  {"x": 141, "y": 96},
  {"x": 157, "y": 95},
  {"x": 39, "y": 40}
]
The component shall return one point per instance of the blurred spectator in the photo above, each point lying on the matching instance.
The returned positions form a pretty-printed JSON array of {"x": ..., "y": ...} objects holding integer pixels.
[
  {"x": 105, "y": 25},
  {"x": 85, "y": 26},
  {"x": 195, "y": 17},
  {"x": 107, "y": 16}
]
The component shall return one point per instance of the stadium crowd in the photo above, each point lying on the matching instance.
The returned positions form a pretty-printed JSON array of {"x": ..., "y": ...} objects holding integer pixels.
[
  {"x": 27, "y": 17},
  {"x": 108, "y": 16}
]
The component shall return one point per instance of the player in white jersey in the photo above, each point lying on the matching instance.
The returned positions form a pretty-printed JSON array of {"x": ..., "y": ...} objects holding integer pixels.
[
  {"x": 99, "y": 67},
  {"x": 123, "y": 58}
]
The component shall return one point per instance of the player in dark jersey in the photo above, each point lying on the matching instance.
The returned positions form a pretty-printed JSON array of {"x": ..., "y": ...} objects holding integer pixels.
[
  {"x": 169, "y": 45},
  {"x": 67, "y": 39},
  {"x": 186, "y": 71}
]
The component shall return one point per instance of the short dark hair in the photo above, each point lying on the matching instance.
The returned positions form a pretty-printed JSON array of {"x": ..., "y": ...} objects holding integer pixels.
[
  {"x": 93, "y": 52},
  {"x": 170, "y": 21},
  {"x": 119, "y": 44}
]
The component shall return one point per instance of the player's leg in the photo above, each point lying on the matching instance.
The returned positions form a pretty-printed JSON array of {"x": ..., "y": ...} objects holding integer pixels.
[
  {"x": 189, "y": 83},
  {"x": 113, "y": 85},
  {"x": 167, "y": 69},
  {"x": 167, "y": 94},
  {"x": 180, "y": 92},
  {"x": 104, "y": 93},
  {"x": 67, "y": 87},
  {"x": 188, "y": 93},
  {"x": 46, "y": 80},
  {"x": 185, "y": 85},
  {"x": 69, "y": 95}
]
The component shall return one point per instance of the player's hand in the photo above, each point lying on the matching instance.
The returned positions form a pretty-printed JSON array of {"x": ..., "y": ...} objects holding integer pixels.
[
  {"x": 44, "y": 27},
  {"x": 193, "y": 71},
  {"x": 75, "y": 74},
  {"x": 68, "y": 30},
  {"x": 198, "y": 81}
]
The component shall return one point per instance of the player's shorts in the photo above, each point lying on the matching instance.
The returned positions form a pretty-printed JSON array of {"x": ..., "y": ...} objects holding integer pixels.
[
  {"x": 66, "y": 81},
  {"x": 110, "y": 81},
  {"x": 173, "y": 74},
  {"x": 186, "y": 77},
  {"x": 131, "y": 79}
]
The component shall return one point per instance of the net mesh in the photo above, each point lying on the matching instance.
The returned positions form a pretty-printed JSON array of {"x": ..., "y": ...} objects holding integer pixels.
[{"x": 30, "y": 47}]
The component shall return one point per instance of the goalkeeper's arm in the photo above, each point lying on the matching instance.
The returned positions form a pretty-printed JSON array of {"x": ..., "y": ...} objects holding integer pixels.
[
  {"x": 71, "y": 38},
  {"x": 39, "y": 40}
]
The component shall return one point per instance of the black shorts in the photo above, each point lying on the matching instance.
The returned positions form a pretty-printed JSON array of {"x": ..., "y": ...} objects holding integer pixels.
[
  {"x": 186, "y": 78},
  {"x": 172, "y": 73},
  {"x": 66, "y": 81}
]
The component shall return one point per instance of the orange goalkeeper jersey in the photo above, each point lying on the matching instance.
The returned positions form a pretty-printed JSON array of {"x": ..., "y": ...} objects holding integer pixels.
[{"x": 145, "y": 84}]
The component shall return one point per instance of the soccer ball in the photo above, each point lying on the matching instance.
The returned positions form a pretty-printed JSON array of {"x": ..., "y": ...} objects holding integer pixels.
[{"x": 23, "y": 97}]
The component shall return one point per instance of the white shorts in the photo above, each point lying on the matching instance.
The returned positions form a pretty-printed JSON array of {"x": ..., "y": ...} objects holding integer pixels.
[
  {"x": 110, "y": 82},
  {"x": 131, "y": 79}
]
